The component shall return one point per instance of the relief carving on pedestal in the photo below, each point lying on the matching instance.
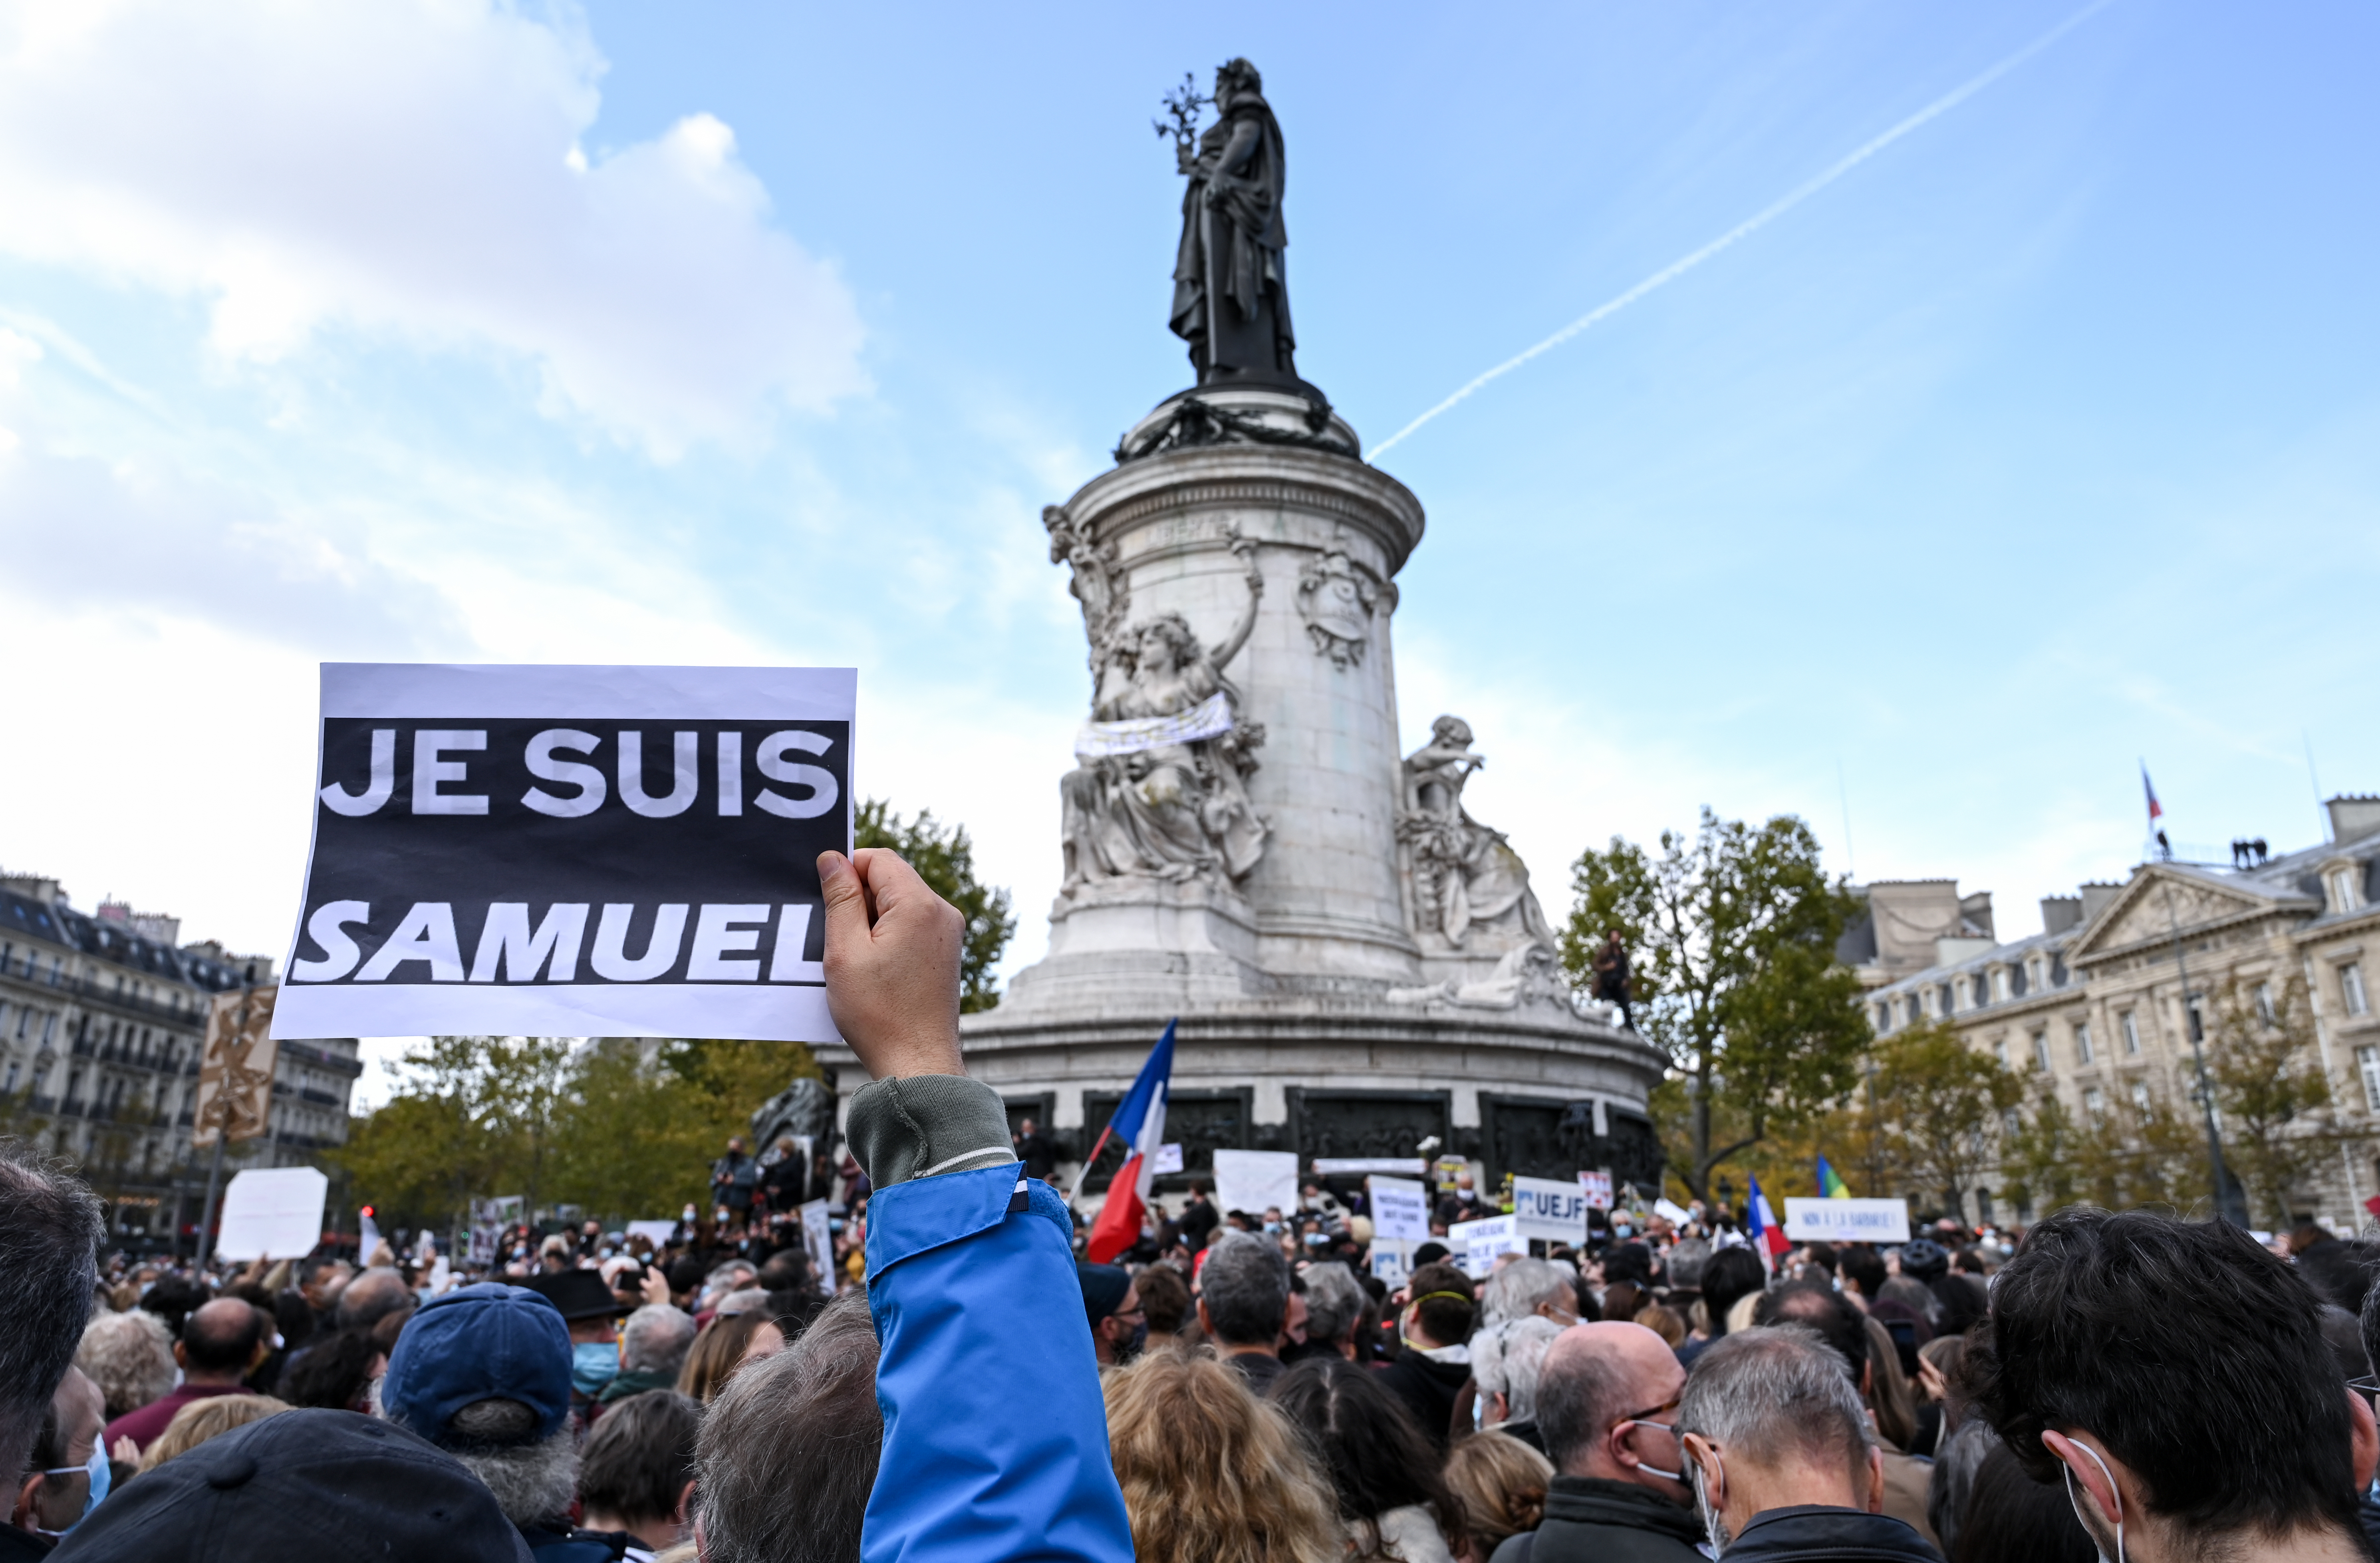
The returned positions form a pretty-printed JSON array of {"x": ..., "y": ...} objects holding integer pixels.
[
  {"x": 1160, "y": 792},
  {"x": 1336, "y": 601}
]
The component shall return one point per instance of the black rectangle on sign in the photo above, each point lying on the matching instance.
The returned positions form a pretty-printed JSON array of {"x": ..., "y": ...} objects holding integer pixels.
[{"x": 480, "y": 850}]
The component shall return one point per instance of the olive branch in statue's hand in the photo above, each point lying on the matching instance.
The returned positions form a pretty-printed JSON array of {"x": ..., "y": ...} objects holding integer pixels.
[{"x": 1182, "y": 106}]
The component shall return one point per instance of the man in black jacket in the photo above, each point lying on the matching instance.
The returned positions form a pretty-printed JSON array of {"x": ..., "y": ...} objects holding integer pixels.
[
  {"x": 1430, "y": 1371},
  {"x": 1606, "y": 1403},
  {"x": 1783, "y": 1461}
]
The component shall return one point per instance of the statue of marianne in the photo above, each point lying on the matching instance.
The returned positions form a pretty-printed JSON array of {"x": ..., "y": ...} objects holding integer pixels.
[{"x": 1230, "y": 287}]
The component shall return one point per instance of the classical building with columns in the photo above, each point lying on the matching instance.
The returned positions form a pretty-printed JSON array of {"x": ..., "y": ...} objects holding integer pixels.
[
  {"x": 2092, "y": 1006},
  {"x": 103, "y": 1018}
]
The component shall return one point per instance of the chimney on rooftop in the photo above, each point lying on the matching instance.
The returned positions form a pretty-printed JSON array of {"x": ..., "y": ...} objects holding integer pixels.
[{"x": 2353, "y": 816}]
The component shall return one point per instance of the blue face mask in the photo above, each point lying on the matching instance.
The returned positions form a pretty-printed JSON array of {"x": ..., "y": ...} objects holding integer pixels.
[
  {"x": 593, "y": 1364},
  {"x": 100, "y": 1475}
]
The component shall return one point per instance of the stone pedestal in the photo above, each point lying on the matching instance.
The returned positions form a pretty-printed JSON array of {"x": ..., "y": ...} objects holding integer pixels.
[{"x": 1323, "y": 1008}]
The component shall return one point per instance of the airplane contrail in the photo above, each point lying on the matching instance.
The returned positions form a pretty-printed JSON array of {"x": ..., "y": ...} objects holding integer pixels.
[{"x": 1767, "y": 214}]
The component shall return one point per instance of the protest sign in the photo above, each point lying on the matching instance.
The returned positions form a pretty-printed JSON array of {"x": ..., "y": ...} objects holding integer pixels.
[
  {"x": 1399, "y": 1209},
  {"x": 1256, "y": 1181},
  {"x": 818, "y": 1241},
  {"x": 1597, "y": 1187},
  {"x": 1671, "y": 1211},
  {"x": 1847, "y": 1220},
  {"x": 1549, "y": 1210},
  {"x": 1476, "y": 1243},
  {"x": 658, "y": 1233},
  {"x": 1353, "y": 1166},
  {"x": 273, "y": 1210},
  {"x": 1391, "y": 1263},
  {"x": 571, "y": 851},
  {"x": 1168, "y": 1158},
  {"x": 234, "y": 1095}
]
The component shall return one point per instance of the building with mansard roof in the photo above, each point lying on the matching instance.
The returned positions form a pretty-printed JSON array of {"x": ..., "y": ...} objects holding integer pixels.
[
  {"x": 2091, "y": 1006},
  {"x": 103, "y": 1017}
]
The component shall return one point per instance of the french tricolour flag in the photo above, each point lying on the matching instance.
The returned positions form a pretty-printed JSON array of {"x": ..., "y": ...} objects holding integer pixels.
[
  {"x": 1140, "y": 1122},
  {"x": 1768, "y": 1232}
]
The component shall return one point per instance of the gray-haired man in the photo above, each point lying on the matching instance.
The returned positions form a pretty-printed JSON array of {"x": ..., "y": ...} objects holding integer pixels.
[{"x": 1783, "y": 1462}]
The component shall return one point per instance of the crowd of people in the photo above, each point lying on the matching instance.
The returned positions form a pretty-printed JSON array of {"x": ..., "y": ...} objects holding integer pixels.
[{"x": 2133, "y": 1386}]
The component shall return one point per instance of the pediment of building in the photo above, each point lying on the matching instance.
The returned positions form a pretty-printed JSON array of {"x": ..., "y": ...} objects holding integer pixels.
[{"x": 2143, "y": 913}]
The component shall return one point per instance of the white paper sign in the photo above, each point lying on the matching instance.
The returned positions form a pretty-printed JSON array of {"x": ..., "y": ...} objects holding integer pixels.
[
  {"x": 1847, "y": 1220},
  {"x": 817, "y": 1239},
  {"x": 1399, "y": 1209},
  {"x": 571, "y": 851},
  {"x": 273, "y": 1210},
  {"x": 655, "y": 1233},
  {"x": 1355, "y": 1166},
  {"x": 1169, "y": 1159},
  {"x": 1476, "y": 1243},
  {"x": 1597, "y": 1187},
  {"x": 1550, "y": 1211},
  {"x": 1255, "y": 1182},
  {"x": 1670, "y": 1211},
  {"x": 1391, "y": 1263}
]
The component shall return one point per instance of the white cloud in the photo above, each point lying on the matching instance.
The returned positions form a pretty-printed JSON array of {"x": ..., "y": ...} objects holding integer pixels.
[{"x": 413, "y": 169}]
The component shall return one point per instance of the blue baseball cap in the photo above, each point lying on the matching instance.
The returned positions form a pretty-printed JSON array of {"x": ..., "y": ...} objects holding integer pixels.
[{"x": 485, "y": 1342}]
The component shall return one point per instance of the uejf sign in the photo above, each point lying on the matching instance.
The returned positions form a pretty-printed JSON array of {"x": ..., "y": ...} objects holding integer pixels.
[
  {"x": 1847, "y": 1220},
  {"x": 1550, "y": 1211},
  {"x": 571, "y": 851}
]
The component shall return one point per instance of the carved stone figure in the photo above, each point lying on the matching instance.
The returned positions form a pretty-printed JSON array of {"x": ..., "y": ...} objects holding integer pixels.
[
  {"x": 1335, "y": 599},
  {"x": 1159, "y": 793},
  {"x": 1524, "y": 973},
  {"x": 1464, "y": 876},
  {"x": 807, "y": 1107},
  {"x": 1231, "y": 288}
]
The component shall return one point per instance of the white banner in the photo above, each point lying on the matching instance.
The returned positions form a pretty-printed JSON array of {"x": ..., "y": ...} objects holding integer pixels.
[
  {"x": 1209, "y": 718},
  {"x": 1549, "y": 1210},
  {"x": 1399, "y": 1209},
  {"x": 1847, "y": 1220},
  {"x": 818, "y": 1238},
  {"x": 1597, "y": 1187},
  {"x": 1476, "y": 1243},
  {"x": 1351, "y": 1165},
  {"x": 571, "y": 851},
  {"x": 1255, "y": 1182},
  {"x": 275, "y": 1211}
]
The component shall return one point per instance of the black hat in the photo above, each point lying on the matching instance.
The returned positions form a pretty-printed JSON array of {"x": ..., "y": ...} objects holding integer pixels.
[
  {"x": 1104, "y": 1286},
  {"x": 581, "y": 1294},
  {"x": 304, "y": 1487}
]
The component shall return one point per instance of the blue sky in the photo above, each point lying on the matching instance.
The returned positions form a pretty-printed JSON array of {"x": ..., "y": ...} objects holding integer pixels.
[{"x": 2044, "y": 442}]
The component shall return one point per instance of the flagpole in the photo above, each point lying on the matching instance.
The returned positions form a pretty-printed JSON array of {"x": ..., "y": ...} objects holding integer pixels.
[{"x": 1087, "y": 1161}]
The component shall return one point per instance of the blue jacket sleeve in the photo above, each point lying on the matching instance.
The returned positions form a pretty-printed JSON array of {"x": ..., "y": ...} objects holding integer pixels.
[{"x": 995, "y": 1435}]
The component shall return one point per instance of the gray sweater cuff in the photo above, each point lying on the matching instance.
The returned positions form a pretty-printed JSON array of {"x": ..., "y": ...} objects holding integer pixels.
[{"x": 926, "y": 1124}]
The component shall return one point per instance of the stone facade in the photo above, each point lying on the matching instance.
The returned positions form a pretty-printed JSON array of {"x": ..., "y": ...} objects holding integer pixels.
[
  {"x": 103, "y": 1017},
  {"x": 2094, "y": 1002},
  {"x": 1357, "y": 964}
]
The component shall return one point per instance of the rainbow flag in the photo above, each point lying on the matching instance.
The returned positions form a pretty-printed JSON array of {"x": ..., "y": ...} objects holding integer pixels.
[{"x": 1830, "y": 1183}]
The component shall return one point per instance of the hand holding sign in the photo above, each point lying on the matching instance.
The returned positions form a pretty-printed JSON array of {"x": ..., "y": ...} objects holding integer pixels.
[{"x": 892, "y": 950}]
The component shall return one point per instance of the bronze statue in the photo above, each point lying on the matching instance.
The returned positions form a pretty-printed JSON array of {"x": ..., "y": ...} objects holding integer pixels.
[{"x": 1230, "y": 284}]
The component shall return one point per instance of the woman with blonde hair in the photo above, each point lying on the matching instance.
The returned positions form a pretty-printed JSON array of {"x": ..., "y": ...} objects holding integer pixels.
[
  {"x": 1501, "y": 1483},
  {"x": 1210, "y": 1473},
  {"x": 210, "y": 1418}
]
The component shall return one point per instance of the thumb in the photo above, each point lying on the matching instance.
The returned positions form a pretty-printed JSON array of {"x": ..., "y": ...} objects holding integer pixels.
[{"x": 846, "y": 903}]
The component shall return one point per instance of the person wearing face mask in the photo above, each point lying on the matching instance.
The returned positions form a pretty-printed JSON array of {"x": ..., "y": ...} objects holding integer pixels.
[
  {"x": 1606, "y": 1402},
  {"x": 1783, "y": 1463},
  {"x": 69, "y": 1474},
  {"x": 2174, "y": 1378},
  {"x": 1112, "y": 1303},
  {"x": 592, "y": 1311}
]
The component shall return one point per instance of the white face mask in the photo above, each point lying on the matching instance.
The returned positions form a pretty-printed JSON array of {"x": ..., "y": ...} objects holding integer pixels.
[
  {"x": 2074, "y": 1498},
  {"x": 1713, "y": 1526}
]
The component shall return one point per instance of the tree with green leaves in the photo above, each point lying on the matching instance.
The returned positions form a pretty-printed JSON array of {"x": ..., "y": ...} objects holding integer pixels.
[
  {"x": 944, "y": 858},
  {"x": 2275, "y": 1101},
  {"x": 1732, "y": 937},
  {"x": 1936, "y": 1109}
]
